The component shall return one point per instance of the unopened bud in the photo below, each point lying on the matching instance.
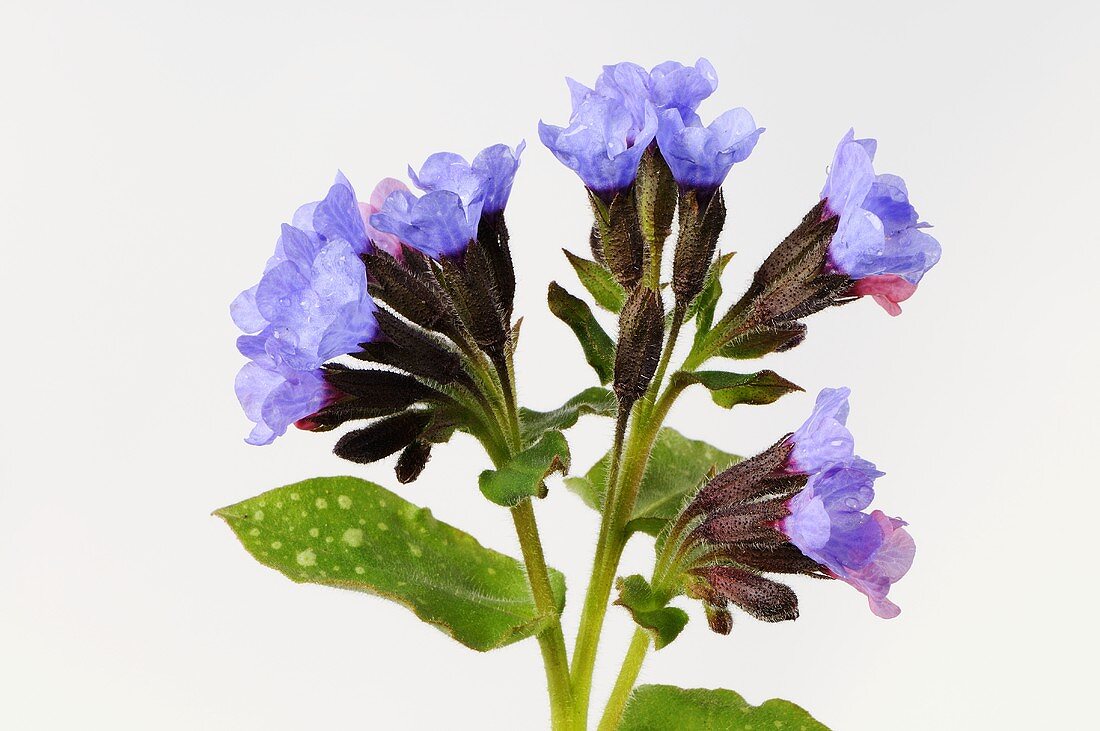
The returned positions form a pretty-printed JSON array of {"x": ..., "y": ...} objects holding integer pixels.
[
  {"x": 701, "y": 220},
  {"x": 471, "y": 283},
  {"x": 385, "y": 389},
  {"x": 492, "y": 234},
  {"x": 413, "y": 350},
  {"x": 641, "y": 335},
  {"x": 412, "y": 461},
  {"x": 383, "y": 438},
  {"x": 719, "y": 618},
  {"x": 411, "y": 291}
]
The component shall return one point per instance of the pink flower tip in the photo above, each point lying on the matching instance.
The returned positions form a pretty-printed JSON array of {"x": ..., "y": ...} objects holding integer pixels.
[{"x": 886, "y": 289}]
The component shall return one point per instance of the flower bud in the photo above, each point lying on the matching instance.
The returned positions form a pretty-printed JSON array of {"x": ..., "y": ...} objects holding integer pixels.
[
  {"x": 414, "y": 458},
  {"x": 701, "y": 220},
  {"x": 411, "y": 349},
  {"x": 718, "y": 618},
  {"x": 792, "y": 283},
  {"x": 364, "y": 394},
  {"x": 383, "y": 388},
  {"x": 492, "y": 234},
  {"x": 382, "y": 438},
  {"x": 411, "y": 291},
  {"x": 641, "y": 333},
  {"x": 762, "y": 598},
  {"x": 470, "y": 282}
]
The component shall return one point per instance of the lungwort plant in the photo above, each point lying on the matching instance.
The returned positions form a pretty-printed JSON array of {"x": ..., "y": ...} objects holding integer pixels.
[{"x": 391, "y": 319}]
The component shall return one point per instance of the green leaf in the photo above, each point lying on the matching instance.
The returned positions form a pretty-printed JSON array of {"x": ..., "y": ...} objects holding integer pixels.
[
  {"x": 353, "y": 534},
  {"x": 730, "y": 389},
  {"x": 599, "y": 282},
  {"x": 522, "y": 476},
  {"x": 651, "y": 611},
  {"x": 662, "y": 707},
  {"x": 676, "y": 468},
  {"x": 599, "y": 349},
  {"x": 594, "y": 400}
]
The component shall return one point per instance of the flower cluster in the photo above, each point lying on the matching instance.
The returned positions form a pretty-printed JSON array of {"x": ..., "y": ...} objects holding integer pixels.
[
  {"x": 314, "y": 304},
  {"x": 795, "y": 508},
  {"x": 612, "y": 124},
  {"x": 310, "y": 306}
]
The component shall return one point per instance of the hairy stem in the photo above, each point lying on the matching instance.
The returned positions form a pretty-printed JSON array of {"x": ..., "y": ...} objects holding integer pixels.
[
  {"x": 551, "y": 640},
  {"x": 618, "y": 507},
  {"x": 603, "y": 571},
  {"x": 666, "y": 356},
  {"x": 624, "y": 684}
]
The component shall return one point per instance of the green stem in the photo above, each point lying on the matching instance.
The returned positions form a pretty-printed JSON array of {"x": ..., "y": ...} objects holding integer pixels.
[
  {"x": 624, "y": 684},
  {"x": 618, "y": 507},
  {"x": 551, "y": 640},
  {"x": 666, "y": 356}
]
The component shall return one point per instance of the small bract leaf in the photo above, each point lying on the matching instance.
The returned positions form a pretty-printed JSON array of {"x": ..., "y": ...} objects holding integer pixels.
[
  {"x": 608, "y": 293},
  {"x": 599, "y": 349},
  {"x": 676, "y": 468},
  {"x": 353, "y": 534},
  {"x": 594, "y": 400},
  {"x": 522, "y": 476},
  {"x": 730, "y": 389},
  {"x": 650, "y": 611},
  {"x": 653, "y": 707}
]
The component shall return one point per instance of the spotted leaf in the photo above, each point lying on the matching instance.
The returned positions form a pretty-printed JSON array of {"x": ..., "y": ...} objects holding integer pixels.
[{"x": 353, "y": 534}]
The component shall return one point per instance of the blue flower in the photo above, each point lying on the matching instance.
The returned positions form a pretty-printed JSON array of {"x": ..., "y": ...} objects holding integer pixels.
[
  {"x": 701, "y": 157},
  {"x": 827, "y": 522},
  {"x": 338, "y": 216},
  {"x": 879, "y": 242},
  {"x": 675, "y": 86},
  {"x": 437, "y": 224},
  {"x": 497, "y": 165},
  {"x": 443, "y": 221},
  {"x": 310, "y": 306},
  {"x": 626, "y": 83},
  {"x": 488, "y": 180},
  {"x": 612, "y": 124},
  {"x": 824, "y": 438},
  {"x": 603, "y": 141},
  {"x": 274, "y": 397}
]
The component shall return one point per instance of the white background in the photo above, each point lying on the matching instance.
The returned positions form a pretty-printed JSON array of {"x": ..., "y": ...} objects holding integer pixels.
[{"x": 148, "y": 153}]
